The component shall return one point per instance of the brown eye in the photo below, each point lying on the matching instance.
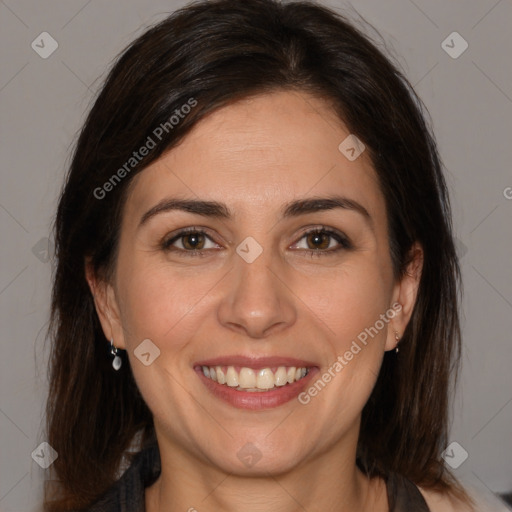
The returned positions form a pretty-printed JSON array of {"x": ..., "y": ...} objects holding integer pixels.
[
  {"x": 188, "y": 242},
  {"x": 318, "y": 240},
  {"x": 193, "y": 241}
]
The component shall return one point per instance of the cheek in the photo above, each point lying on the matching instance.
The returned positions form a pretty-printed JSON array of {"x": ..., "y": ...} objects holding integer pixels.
[
  {"x": 359, "y": 316},
  {"x": 350, "y": 300},
  {"x": 159, "y": 304}
]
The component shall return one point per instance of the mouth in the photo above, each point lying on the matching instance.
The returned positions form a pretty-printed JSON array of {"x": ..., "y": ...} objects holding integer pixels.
[
  {"x": 243, "y": 378},
  {"x": 255, "y": 383}
]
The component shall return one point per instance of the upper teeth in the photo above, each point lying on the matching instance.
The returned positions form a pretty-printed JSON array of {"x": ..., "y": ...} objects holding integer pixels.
[{"x": 253, "y": 380}]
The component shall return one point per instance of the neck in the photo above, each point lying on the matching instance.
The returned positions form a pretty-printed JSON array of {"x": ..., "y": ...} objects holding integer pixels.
[{"x": 328, "y": 482}]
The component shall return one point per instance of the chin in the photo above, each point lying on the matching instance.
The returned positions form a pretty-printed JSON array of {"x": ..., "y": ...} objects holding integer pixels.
[{"x": 257, "y": 457}]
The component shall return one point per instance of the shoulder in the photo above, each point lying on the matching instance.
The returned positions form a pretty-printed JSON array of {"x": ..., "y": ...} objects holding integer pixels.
[
  {"x": 127, "y": 494},
  {"x": 443, "y": 502},
  {"x": 483, "y": 501}
]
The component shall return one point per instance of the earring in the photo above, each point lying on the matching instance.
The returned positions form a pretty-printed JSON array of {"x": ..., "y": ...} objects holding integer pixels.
[
  {"x": 397, "y": 338},
  {"x": 116, "y": 363}
]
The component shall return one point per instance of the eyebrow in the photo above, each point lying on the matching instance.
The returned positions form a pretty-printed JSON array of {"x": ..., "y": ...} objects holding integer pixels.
[{"x": 215, "y": 209}]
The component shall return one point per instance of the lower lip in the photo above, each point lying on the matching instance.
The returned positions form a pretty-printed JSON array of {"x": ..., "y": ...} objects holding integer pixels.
[{"x": 256, "y": 400}]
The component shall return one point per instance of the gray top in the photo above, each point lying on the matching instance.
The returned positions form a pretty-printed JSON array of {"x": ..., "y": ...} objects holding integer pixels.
[{"x": 128, "y": 493}]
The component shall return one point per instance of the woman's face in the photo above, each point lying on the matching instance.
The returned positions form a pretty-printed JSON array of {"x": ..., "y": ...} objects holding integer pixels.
[{"x": 253, "y": 287}]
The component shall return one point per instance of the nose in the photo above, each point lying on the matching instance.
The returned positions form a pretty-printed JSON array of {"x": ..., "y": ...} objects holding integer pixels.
[{"x": 257, "y": 301}]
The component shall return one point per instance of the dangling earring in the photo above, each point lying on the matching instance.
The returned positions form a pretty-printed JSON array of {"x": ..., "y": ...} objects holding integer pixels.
[
  {"x": 117, "y": 362},
  {"x": 397, "y": 338}
]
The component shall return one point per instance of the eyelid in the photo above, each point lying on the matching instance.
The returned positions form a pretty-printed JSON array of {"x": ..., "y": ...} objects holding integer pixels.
[{"x": 173, "y": 237}]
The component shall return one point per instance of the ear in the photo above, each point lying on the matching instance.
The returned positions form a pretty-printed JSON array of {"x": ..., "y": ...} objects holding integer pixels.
[
  {"x": 106, "y": 305},
  {"x": 405, "y": 293}
]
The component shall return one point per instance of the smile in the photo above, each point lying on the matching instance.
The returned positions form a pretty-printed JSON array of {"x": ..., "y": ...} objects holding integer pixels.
[
  {"x": 249, "y": 379},
  {"x": 255, "y": 383}
]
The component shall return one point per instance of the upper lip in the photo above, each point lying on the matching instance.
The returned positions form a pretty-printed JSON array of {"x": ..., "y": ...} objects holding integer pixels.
[{"x": 255, "y": 362}]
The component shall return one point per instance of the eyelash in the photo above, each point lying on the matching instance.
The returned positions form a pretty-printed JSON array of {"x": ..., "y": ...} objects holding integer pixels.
[{"x": 166, "y": 245}]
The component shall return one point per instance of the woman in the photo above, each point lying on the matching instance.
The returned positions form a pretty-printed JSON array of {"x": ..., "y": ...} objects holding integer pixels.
[{"x": 256, "y": 304}]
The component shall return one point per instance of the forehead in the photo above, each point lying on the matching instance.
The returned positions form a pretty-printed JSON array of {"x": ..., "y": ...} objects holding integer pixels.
[{"x": 261, "y": 152}]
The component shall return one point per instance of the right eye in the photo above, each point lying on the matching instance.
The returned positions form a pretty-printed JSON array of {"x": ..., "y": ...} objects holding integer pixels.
[{"x": 192, "y": 242}]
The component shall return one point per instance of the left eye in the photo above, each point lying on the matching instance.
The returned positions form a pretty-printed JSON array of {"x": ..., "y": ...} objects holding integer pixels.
[{"x": 320, "y": 239}]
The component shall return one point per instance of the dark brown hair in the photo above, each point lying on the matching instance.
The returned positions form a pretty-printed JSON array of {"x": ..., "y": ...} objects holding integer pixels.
[{"x": 216, "y": 53}]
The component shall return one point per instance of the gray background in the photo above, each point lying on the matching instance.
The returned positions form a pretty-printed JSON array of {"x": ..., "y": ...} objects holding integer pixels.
[{"x": 44, "y": 101}]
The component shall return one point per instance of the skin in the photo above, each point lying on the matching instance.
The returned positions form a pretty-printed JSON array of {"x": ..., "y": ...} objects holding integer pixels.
[{"x": 256, "y": 155}]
